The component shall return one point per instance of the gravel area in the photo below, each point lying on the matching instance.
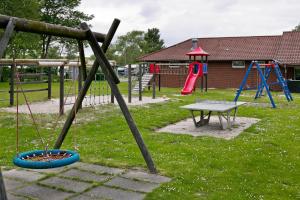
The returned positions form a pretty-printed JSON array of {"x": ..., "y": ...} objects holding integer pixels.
[{"x": 52, "y": 106}]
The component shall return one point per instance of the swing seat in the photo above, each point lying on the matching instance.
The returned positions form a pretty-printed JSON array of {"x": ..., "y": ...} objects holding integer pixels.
[{"x": 41, "y": 159}]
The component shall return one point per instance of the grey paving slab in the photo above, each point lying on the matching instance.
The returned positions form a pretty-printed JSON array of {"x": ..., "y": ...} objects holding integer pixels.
[
  {"x": 66, "y": 184},
  {"x": 113, "y": 194},
  {"x": 13, "y": 197},
  {"x": 40, "y": 192},
  {"x": 143, "y": 176},
  {"x": 85, "y": 197},
  {"x": 11, "y": 184},
  {"x": 24, "y": 175},
  {"x": 98, "y": 168},
  {"x": 85, "y": 175},
  {"x": 51, "y": 170},
  {"x": 129, "y": 184},
  {"x": 187, "y": 127}
]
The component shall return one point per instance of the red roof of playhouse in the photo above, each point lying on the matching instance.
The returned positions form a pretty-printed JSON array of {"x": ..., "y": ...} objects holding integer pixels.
[
  {"x": 284, "y": 48},
  {"x": 197, "y": 52}
]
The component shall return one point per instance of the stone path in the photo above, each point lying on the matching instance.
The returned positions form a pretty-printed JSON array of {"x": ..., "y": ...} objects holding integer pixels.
[
  {"x": 80, "y": 181},
  {"x": 52, "y": 106},
  {"x": 212, "y": 129}
]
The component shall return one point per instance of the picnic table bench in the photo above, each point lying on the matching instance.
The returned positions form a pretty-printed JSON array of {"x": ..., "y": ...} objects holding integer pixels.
[{"x": 222, "y": 108}]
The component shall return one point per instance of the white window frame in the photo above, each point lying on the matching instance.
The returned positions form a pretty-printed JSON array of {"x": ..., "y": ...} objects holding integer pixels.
[{"x": 238, "y": 66}]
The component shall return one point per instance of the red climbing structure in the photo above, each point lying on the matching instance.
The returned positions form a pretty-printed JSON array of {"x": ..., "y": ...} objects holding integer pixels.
[{"x": 196, "y": 70}]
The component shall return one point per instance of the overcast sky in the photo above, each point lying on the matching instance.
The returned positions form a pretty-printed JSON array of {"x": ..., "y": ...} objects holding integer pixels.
[{"x": 179, "y": 20}]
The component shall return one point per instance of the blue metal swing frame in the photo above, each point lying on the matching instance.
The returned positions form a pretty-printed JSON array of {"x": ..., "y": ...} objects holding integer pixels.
[{"x": 263, "y": 83}]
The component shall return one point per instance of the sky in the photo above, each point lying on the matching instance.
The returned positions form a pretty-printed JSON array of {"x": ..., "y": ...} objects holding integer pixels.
[{"x": 179, "y": 20}]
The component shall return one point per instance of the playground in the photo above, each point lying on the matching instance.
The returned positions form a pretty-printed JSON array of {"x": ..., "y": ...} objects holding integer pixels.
[
  {"x": 214, "y": 166},
  {"x": 117, "y": 144}
]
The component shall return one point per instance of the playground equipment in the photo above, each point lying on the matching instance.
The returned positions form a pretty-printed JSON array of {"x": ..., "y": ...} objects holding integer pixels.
[
  {"x": 263, "y": 81},
  {"x": 196, "y": 70},
  {"x": 11, "y": 24}
]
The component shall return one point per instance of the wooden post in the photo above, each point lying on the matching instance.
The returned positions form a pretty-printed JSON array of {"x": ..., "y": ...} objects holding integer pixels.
[
  {"x": 7, "y": 35},
  {"x": 129, "y": 83},
  {"x": 49, "y": 83},
  {"x": 140, "y": 82},
  {"x": 61, "y": 89},
  {"x": 82, "y": 59},
  {"x": 153, "y": 85},
  {"x": 206, "y": 82},
  {"x": 85, "y": 87},
  {"x": 12, "y": 84},
  {"x": 2, "y": 188},
  {"x": 80, "y": 76},
  {"x": 31, "y": 26},
  {"x": 112, "y": 97}
]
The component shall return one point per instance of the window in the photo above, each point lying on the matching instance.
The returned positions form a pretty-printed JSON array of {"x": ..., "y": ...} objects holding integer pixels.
[{"x": 238, "y": 64}]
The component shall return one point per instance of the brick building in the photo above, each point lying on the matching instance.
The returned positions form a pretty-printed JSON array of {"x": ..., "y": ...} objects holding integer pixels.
[{"x": 229, "y": 59}]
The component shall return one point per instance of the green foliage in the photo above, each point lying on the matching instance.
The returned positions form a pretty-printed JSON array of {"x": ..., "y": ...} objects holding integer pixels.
[
  {"x": 134, "y": 44},
  {"x": 297, "y": 28},
  {"x": 152, "y": 41},
  {"x": 63, "y": 12},
  {"x": 23, "y": 44}
]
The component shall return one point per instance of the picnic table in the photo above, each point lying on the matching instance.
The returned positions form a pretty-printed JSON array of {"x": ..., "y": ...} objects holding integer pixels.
[{"x": 222, "y": 108}]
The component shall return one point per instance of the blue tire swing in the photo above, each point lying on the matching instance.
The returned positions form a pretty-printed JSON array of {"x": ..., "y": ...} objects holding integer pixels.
[{"x": 42, "y": 159}]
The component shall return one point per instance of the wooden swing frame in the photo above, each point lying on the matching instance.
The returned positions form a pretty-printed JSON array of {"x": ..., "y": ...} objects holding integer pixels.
[{"x": 11, "y": 24}]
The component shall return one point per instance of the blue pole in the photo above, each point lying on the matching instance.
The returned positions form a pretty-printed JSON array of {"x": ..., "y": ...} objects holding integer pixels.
[
  {"x": 265, "y": 84},
  {"x": 243, "y": 82}
]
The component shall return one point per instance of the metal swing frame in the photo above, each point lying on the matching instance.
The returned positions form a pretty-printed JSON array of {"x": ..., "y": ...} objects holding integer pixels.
[{"x": 11, "y": 24}]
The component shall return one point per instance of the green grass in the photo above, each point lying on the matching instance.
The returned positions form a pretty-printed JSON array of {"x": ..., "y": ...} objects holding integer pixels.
[{"x": 262, "y": 163}]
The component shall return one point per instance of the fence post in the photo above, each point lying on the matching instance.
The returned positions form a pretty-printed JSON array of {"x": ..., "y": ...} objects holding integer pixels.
[
  {"x": 49, "y": 83},
  {"x": 12, "y": 83},
  {"x": 112, "y": 97},
  {"x": 153, "y": 85},
  {"x": 129, "y": 83},
  {"x": 140, "y": 82},
  {"x": 61, "y": 89}
]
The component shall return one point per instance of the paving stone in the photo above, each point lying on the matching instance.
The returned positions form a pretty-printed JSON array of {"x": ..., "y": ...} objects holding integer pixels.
[
  {"x": 13, "y": 197},
  {"x": 98, "y": 168},
  {"x": 67, "y": 184},
  {"x": 143, "y": 176},
  {"x": 40, "y": 192},
  {"x": 114, "y": 194},
  {"x": 51, "y": 170},
  {"x": 24, "y": 175},
  {"x": 139, "y": 186},
  {"x": 84, "y": 175},
  {"x": 85, "y": 197},
  {"x": 11, "y": 184}
]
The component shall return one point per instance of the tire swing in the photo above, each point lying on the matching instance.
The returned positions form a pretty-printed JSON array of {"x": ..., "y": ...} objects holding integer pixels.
[{"x": 40, "y": 159}]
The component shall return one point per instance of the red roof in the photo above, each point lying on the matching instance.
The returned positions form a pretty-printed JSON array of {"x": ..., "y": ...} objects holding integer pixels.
[
  {"x": 289, "y": 49},
  {"x": 197, "y": 52},
  {"x": 285, "y": 48}
]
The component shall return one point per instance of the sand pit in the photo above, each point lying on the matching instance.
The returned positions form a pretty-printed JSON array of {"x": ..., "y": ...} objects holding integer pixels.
[
  {"x": 213, "y": 129},
  {"x": 52, "y": 106}
]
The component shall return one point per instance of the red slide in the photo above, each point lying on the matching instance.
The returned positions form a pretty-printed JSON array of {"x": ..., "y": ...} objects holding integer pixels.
[{"x": 192, "y": 78}]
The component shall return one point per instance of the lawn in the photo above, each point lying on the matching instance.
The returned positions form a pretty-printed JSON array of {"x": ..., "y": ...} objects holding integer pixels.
[{"x": 262, "y": 163}]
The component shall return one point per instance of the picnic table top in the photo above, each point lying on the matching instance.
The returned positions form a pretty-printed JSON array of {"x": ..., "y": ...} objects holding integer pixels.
[{"x": 217, "y": 106}]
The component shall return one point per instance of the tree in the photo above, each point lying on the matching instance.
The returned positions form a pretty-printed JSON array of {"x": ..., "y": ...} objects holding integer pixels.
[
  {"x": 152, "y": 41},
  {"x": 24, "y": 44},
  {"x": 297, "y": 28},
  {"x": 133, "y": 44},
  {"x": 128, "y": 47},
  {"x": 61, "y": 12}
]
